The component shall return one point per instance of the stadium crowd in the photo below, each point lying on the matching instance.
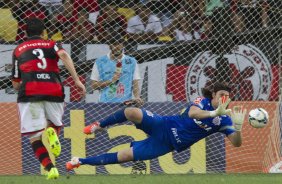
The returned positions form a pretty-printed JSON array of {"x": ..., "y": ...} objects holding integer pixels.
[{"x": 145, "y": 21}]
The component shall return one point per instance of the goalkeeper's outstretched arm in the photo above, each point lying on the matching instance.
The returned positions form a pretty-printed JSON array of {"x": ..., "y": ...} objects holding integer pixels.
[{"x": 197, "y": 113}]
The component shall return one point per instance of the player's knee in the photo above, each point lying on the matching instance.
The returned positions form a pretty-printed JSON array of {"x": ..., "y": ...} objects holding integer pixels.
[
  {"x": 125, "y": 156},
  {"x": 133, "y": 114},
  {"x": 35, "y": 137},
  {"x": 53, "y": 125}
]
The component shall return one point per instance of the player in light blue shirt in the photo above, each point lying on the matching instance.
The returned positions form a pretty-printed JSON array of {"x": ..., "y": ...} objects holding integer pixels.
[
  {"x": 203, "y": 117},
  {"x": 116, "y": 75}
]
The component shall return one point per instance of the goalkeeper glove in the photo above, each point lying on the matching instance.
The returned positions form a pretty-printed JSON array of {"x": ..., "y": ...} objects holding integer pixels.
[
  {"x": 221, "y": 109},
  {"x": 238, "y": 117}
]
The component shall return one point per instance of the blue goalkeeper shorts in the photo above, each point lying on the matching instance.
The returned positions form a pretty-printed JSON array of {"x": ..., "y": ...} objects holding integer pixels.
[{"x": 157, "y": 143}]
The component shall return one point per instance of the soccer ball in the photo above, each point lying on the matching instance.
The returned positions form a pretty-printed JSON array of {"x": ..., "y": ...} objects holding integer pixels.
[{"x": 258, "y": 117}]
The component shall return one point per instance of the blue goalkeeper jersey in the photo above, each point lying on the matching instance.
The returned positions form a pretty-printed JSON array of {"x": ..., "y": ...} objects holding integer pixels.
[{"x": 185, "y": 131}]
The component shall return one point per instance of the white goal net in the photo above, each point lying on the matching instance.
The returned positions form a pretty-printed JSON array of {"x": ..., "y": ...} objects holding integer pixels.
[{"x": 180, "y": 46}]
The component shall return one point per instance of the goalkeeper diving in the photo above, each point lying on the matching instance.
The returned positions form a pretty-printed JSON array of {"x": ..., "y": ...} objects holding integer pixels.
[{"x": 205, "y": 116}]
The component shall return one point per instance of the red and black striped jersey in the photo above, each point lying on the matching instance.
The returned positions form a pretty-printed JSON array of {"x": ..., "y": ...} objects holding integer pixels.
[{"x": 35, "y": 64}]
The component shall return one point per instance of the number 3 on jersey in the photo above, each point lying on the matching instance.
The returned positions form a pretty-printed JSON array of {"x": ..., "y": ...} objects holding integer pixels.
[{"x": 40, "y": 55}]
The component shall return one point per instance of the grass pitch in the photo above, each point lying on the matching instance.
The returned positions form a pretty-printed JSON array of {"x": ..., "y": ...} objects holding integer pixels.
[{"x": 150, "y": 179}]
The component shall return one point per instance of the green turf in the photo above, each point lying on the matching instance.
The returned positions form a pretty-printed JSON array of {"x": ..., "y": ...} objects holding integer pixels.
[{"x": 150, "y": 179}]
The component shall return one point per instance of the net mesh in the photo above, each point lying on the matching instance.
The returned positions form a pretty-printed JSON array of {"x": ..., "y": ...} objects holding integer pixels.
[{"x": 181, "y": 46}]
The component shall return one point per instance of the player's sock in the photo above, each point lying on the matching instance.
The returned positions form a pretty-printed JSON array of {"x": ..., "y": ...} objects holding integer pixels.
[
  {"x": 42, "y": 154},
  {"x": 104, "y": 159},
  {"x": 117, "y": 117}
]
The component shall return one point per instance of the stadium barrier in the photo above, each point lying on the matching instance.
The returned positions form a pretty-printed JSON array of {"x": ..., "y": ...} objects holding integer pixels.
[{"x": 167, "y": 79}]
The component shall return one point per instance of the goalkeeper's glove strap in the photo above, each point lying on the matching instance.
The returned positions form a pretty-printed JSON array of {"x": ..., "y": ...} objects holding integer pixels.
[{"x": 213, "y": 114}]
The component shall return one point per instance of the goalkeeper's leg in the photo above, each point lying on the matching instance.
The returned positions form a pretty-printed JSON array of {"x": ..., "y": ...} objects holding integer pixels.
[
  {"x": 141, "y": 150},
  {"x": 130, "y": 113}
]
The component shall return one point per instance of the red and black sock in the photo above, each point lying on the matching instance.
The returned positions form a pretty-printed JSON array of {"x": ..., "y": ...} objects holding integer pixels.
[{"x": 42, "y": 154}]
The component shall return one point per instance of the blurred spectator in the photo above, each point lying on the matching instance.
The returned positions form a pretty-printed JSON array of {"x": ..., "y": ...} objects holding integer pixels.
[
  {"x": 213, "y": 6},
  {"x": 165, "y": 9},
  {"x": 90, "y": 5},
  {"x": 210, "y": 5},
  {"x": 116, "y": 75},
  {"x": 144, "y": 27},
  {"x": 8, "y": 25},
  {"x": 6, "y": 4},
  {"x": 206, "y": 28},
  {"x": 82, "y": 29},
  {"x": 223, "y": 29},
  {"x": 195, "y": 9},
  {"x": 66, "y": 20},
  {"x": 110, "y": 22},
  {"x": 275, "y": 13},
  {"x": 144, "y": 1},
  {"x": 238, "y": 22},
  {"x": 22, "y": 10},
  {"x": 255, "y": 13},
  {"x": 182, "y": 28},
  {"x": 126, "y": 12},
  {"x": 82, "y": 32},
  {"x": 126, "y": 7},
  {"x": 53, "y": 6}
]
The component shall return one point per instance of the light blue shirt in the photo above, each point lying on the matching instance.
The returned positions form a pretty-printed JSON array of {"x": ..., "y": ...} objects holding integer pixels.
[{"x": 104, "y": 70}]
